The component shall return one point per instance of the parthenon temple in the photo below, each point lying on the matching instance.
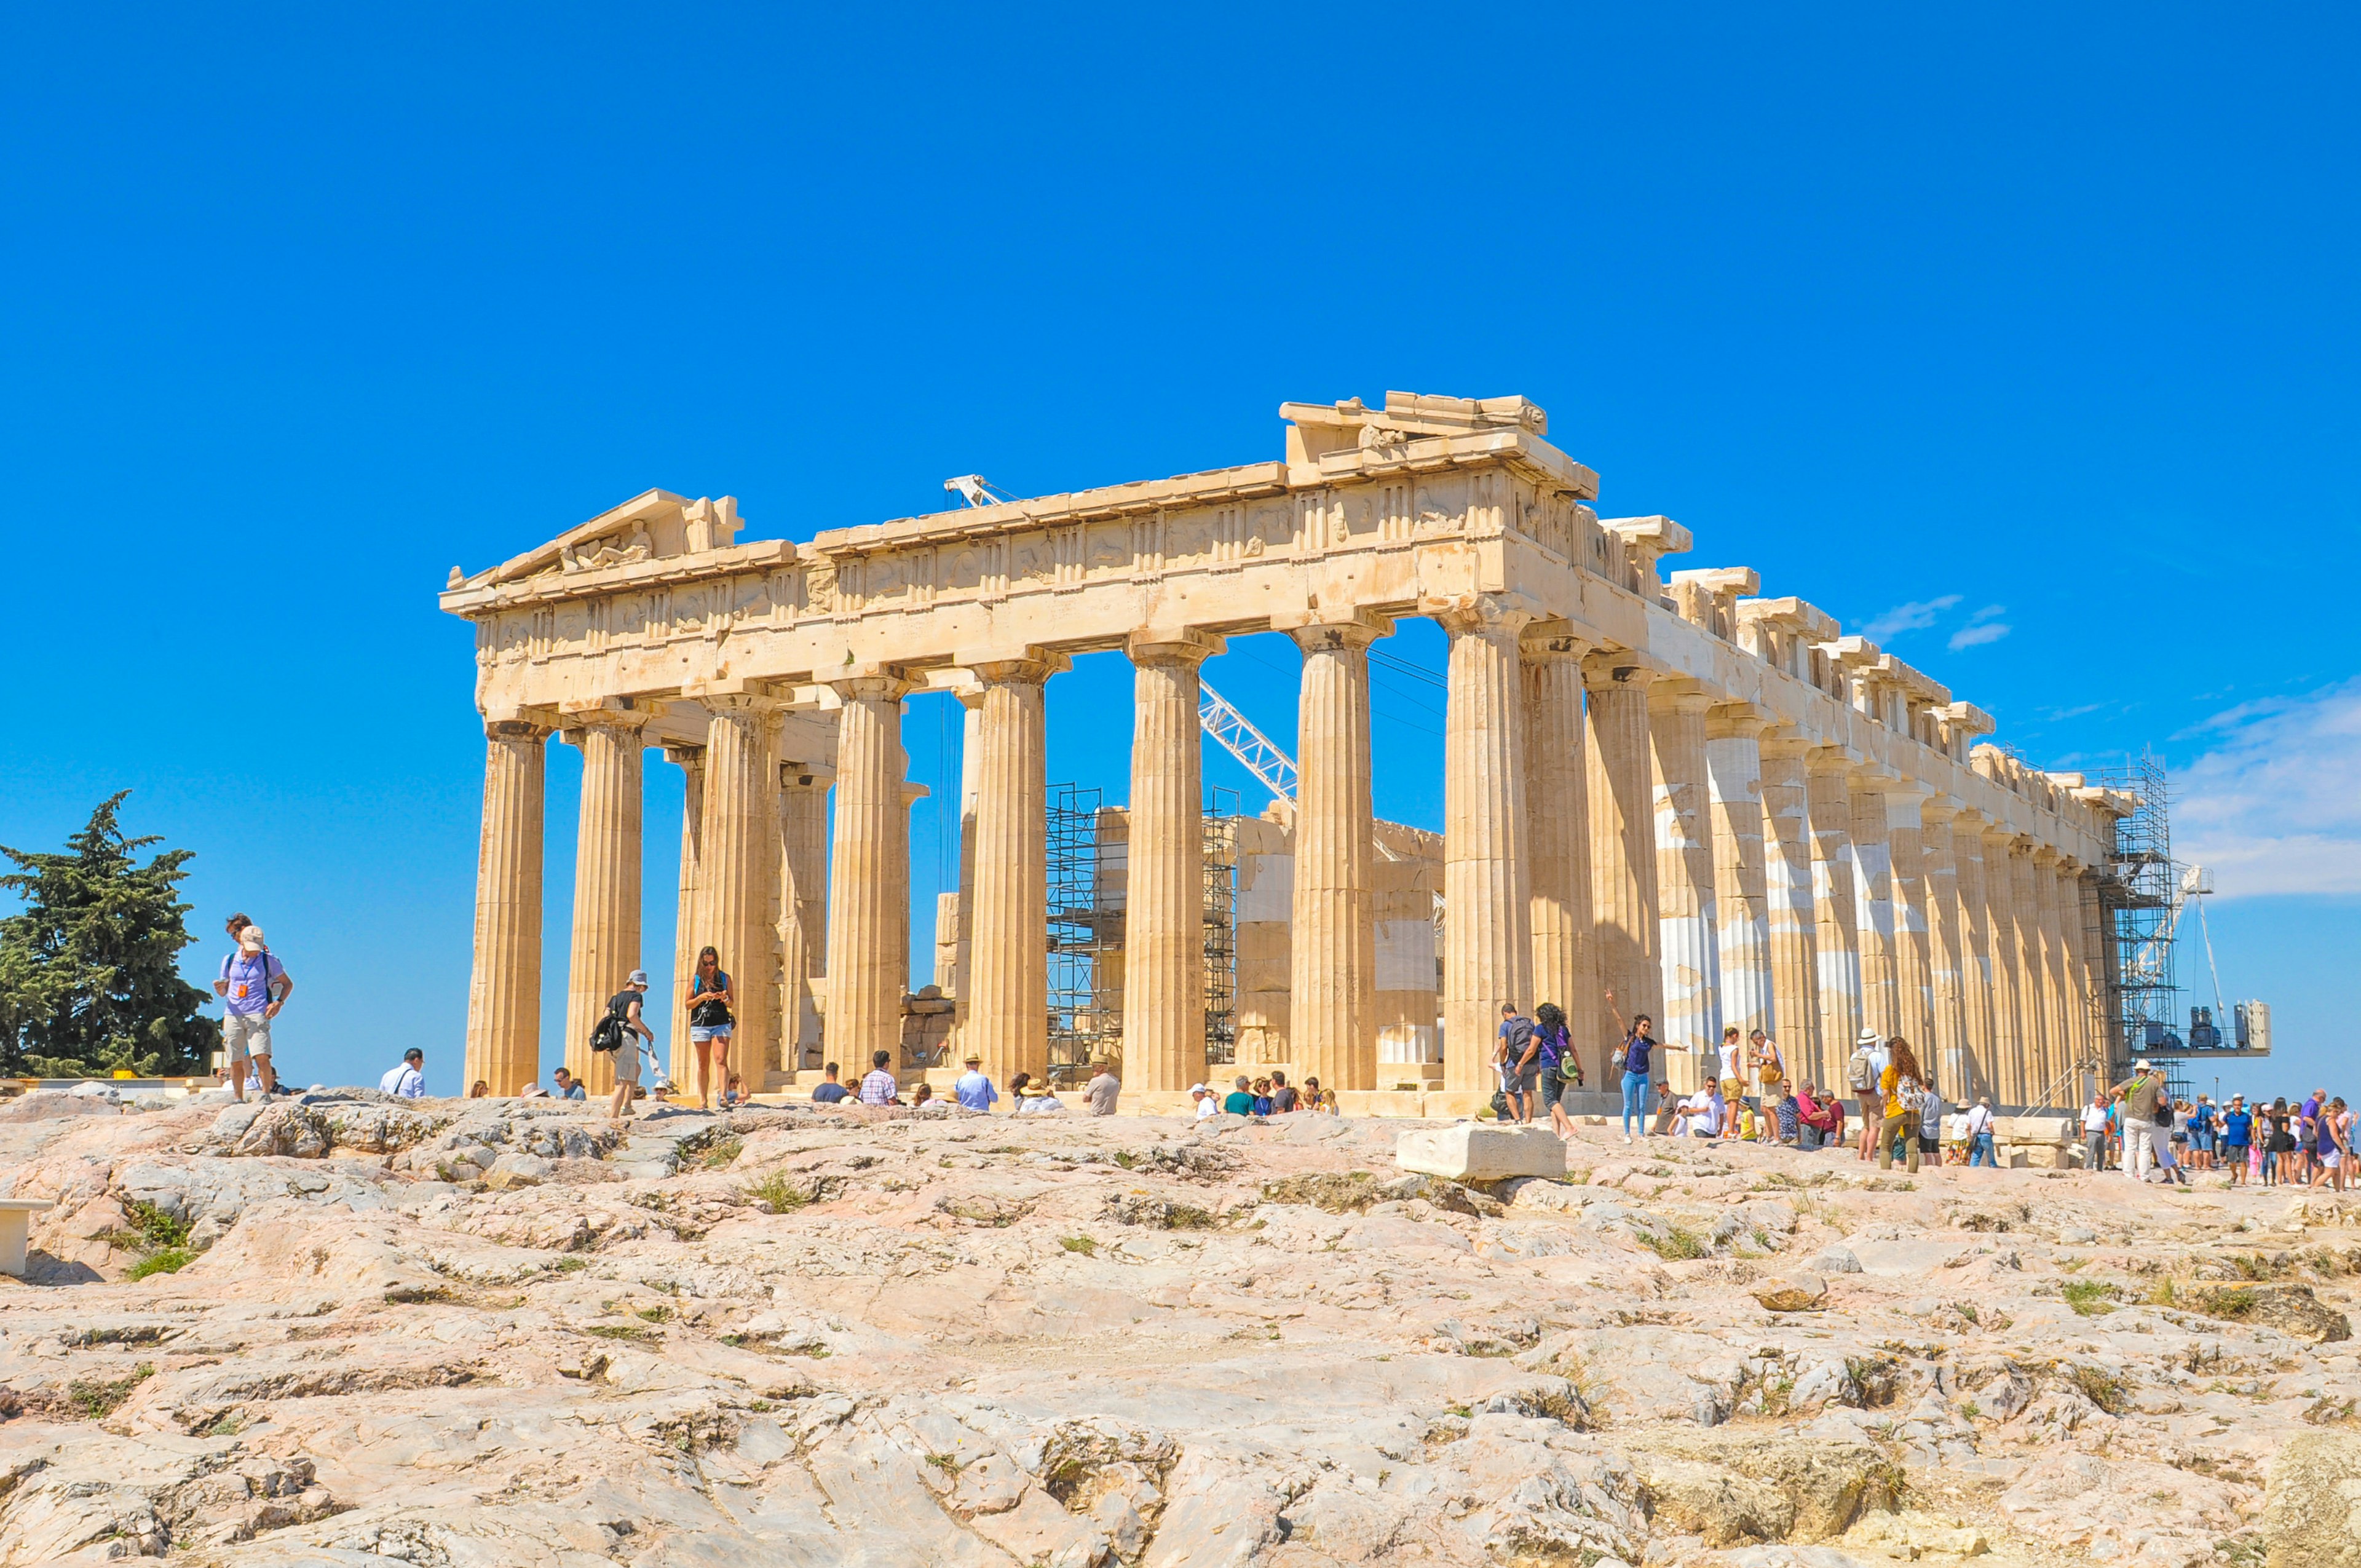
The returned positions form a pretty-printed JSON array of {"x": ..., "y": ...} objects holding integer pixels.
[{"x": 1663, "y": 793}]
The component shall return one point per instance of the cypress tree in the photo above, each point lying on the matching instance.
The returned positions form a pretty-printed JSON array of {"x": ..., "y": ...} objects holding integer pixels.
[{"x": 88, "y": 975}]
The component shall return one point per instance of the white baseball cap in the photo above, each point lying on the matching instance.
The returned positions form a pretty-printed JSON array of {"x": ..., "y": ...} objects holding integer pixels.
[
  {"x": 250, "y": 939},
  {"x": 1199, "y": 1088}
]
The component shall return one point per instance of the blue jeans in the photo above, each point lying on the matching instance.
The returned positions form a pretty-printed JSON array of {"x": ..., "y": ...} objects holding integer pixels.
[
  {"x": 1635, "y": 1102},
  {"x": 1981, "y": 1151}
]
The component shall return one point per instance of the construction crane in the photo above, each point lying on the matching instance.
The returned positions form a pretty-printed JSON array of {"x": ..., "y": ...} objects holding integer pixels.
[
  {"x": 2145, "y": 964},
  {"x": 1256, "y": 752},
  {"x": 977, "y": 490}
]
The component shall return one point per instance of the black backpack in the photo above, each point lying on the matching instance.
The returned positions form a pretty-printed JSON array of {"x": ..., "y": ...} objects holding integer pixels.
[{"x": 609, "y": 1034}]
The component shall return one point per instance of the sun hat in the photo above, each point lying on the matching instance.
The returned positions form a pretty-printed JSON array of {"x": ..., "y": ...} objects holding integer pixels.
[
  {"x": 639, "y": 977},
  {"x": 1868, "y": 1037}
]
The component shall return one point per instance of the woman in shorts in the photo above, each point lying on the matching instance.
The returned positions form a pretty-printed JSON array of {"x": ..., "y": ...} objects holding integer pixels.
[
  {"x": 2331, "y": 1145},
  {"x": 708, "y": 1023}
]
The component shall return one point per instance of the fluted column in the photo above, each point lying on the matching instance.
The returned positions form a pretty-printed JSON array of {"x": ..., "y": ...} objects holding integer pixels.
[
  {"x": 1008, "y": 1018},
  {"x": 1733, "y": 763},
  {"x": 742, "y": 860},
  {"x": 688, "y": 922},
  {"x": 1164, "y": 901},
  {"x": 1333, "y": 958},
  {"x": 1939, "y": 883},
  {"x": 803, "y": 907},
  {"x": 1837, "y": 929},
  {"x": 1913, "y": 965},
  {"x": 1624, "y": 834},
  {"x": 868, "y": 906},
  {"x": 971, "y": 780},
  {"x": 1557, "y": 817},
  {"x": 2098, "y": 961},
  {"x": 1975, "y": 954},
  {"x": 1685, "y": 897},
  {"x": 1872, "y": 881},
  {"x": 2033, "y": 996},
  {"x": 2012, "y": 1064},
  {"x": 1487, "y": 951},
  {"x": 606, "y": 882},
  {"x": 1787, "y": 881},
  {"x": 504, "y": 992},
  {"x": 2055, "y": 985}
]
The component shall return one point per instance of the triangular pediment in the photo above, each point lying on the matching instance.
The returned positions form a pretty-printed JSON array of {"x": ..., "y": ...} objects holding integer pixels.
[{"x": 650, "y": 526}]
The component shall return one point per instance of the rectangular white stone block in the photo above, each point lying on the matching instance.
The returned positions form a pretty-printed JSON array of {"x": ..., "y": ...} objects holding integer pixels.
[
  {"x": 15, "y": 1217},
  {"x": 1474, "y": 1151}
]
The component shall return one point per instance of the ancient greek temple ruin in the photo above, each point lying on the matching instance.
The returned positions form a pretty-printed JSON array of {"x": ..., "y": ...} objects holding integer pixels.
[{"x": 1665, "y": 793}]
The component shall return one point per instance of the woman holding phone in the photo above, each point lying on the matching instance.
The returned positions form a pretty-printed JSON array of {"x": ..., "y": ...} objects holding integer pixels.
[{"x": 709, "y": 1022}]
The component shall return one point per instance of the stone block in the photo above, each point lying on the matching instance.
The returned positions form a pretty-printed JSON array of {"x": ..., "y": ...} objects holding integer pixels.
[
  {"x": 1792, "y": 1293},
  {"x": 15, "y": 1215},
  {"x": 2033, "y": 1129},
  {"x": 2037, "y": 1156},
  {"x": 1471, "y": 1151}
]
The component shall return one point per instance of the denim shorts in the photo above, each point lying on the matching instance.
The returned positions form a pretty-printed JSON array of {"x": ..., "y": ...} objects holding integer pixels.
[{"x": 699, "y": 1034}]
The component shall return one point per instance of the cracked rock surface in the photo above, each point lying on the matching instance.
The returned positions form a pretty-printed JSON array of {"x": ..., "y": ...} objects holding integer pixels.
[{"x": 505, "y": 1333}]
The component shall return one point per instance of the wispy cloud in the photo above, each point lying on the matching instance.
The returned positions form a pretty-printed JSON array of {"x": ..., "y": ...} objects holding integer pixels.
[
  {"x": 2272, "y": 808},
  {"x": 1984, "y": 626},
  {"x": 1914, "y": 617}
]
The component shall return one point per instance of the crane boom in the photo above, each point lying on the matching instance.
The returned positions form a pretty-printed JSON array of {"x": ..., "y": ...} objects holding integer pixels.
[{"x": 1254, "y": 750}]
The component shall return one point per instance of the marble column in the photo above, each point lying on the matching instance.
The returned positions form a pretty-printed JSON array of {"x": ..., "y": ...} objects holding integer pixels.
[
  {"x": 1333, "y": 958},
  {"x": 1557, "y": 819},
  {"x": 2009, "y": 1066},
  {"x": 1787, "y": 879},
  {"x": 868, "y": 906},
  {"x": 2064, "y": 1048},
  {"x": 1487, "y": 931},
  {"x": 803, "y": 907},
  {"x": 1837, "y": 926},
  {"x": 606, "y": 884},
  {"x": 963, "y": 926},
  {"x": 1872, "y": 881},
  {"x": 1687, "y": 938},
  {"x": 2033, "y": 996},
  {"x": 504, "y": 992},
  {"x": 2098, "y": 965},
  {"x": 1733, "y": 762},
  {"x": 1975, "y": 954},
  {"x": 1913, "y": 980},
  {"x": 1940, "y": 882},
  {"x": 741, "y": 859},
  {"x": 1623, "y": 836},
  {"x": 1164, "y": 900},
  {"x": 1008, "y": 1013},
  {"x": 688, "y": 921}
]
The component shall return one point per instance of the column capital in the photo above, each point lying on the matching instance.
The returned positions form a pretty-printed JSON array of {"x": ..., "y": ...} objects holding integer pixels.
[
  {"x": 1785, "y": 741},
  {"x": 1734, "y": 721},
  {"x": 1028, "y": 666},
  {"x": 516, "y": 730},
  {"x": 1546, "y": 640},
  {"x": 684, "y": 755},
  {"x": 1185, "y": 646},
  {"x": 1942, "y": 808},
  {"x": 869, "y": 683},
  {"x": 1824, "y": 760},
  {"x": 805, "y": 776},
  {"x": 1475, "y": 615},
  {"x": 1606, "y": 668},
  {"x": 1677, "y": 694},
  {"x": 606, "y": 713},
  {"x": 1352, "y": 633}
]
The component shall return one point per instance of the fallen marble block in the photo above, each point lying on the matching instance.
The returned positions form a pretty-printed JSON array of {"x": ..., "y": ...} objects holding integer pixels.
[{"x": 1471, "y": 1151}]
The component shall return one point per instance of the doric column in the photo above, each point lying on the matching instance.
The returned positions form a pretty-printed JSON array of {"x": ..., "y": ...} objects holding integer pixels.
[
  {"x": 2011, "y": 1064},
  {"x": 1733, "y": 763},
  {"x": 868, "y": 905},
  {"x": 1164, "y": 899},
  {"x": 1872, "y": 882},
  {"x": 803, "y": 907},
  {"x": 1787, "y": 881},
  {"x": 1624, "y": 834},
  {"x": 1940, "y": 882},
  {"x": 1333, "y": 962},
  {"x": 1008, "y": 1013},
  {"x": 1557, "y": 818},
  {"x": 688, "y": 922},
  {"x": 742, "y": 860},
  {"x": 1912, "y": 966},
  {"x": 504, "y": 994},
  {"x": 1836, "y": 927},
  {"x": 1487, "y": 951},
  {"x": 1685, "y": 902},
  {"x": 606, "y": 881},
  {"x": 2098, "y": 966},
  {"x": 2033, "y": 996},
  {"x": 2055, "y": 979},
  {"x": 1975, "y": 954}
]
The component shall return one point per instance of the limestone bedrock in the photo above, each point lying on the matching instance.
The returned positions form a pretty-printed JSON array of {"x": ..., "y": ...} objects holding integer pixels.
[
  {"x": 1471, "y": 1151},
  {"x": 500, "y": 1332}
]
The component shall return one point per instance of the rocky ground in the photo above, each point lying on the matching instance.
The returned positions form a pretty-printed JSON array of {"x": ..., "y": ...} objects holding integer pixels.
[{"x": 496, "y": 1332}]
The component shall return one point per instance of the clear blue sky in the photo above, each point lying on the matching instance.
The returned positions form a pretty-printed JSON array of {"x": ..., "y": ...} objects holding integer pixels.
[{"x": 2026, "y": 337}]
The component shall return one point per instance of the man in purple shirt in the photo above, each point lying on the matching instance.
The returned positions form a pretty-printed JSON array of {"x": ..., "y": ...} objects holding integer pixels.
[
  {"x": 879, "y": 1088},
  {"x": 252, "y": 986}
]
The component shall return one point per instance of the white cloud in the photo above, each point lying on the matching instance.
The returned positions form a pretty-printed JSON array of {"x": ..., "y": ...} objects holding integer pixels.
[
  {"x": 1984, "y": 626},
  {"x": 1914, "y": 617},
  {"x": 2272, "y": 808}
]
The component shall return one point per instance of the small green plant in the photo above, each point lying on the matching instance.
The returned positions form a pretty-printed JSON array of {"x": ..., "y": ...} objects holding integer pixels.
[
  {"x": 1968, "y": 1311},
  {"x": 164, "y": 1260},
  {"x": 1083, "y": 1244},
  {"x": 723, "y": 1152},
  {"x": 2089, "y": 1298},
  {"x": 2101, "y": 1386},
  {"x": 97, "y": 1400},
  {"x": 158, "y": 1229},
  {"x": 1126, "y": 1159},
  {"x": 781, "y": 1194},
  {"x": 948, "y": 1464},
  {"x": 654, "y": 1314},
  {"x": 568, "y": 1264},
  {"x": 224, "y": 1425},
  {"x": 1674, "y": 1245},
  {"x": 2233, "y": 1304},
  {"x": 620, "y": 1330},
  {"x": 2162, "y": 1294}
]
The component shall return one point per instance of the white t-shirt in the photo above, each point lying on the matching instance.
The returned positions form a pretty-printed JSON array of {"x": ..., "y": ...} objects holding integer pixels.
[
  {"x": 405, "y": 1081},
  {"x": 2095, "y": 1118},
  {"x": 1208, "y": 1108},
  {"x": 1979, "y": 1118},
  {"x": 1733, "y": 1059}
]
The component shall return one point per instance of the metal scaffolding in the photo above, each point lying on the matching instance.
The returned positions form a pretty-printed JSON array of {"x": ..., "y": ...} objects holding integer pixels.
[
  {"x": 1221, "y": 925},
  {"x": 1086, "y": 940},
  {"x": 2137, "y": 897}
]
